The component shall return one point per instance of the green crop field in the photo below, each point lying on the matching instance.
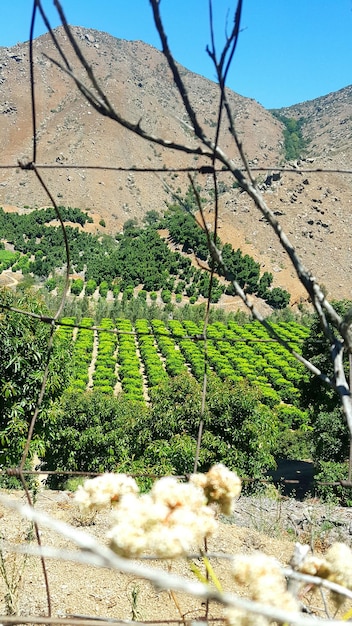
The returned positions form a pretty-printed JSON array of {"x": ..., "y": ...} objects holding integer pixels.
[
  {"x": 134, "y": 358},
  {"x": 7, "y": 259}
]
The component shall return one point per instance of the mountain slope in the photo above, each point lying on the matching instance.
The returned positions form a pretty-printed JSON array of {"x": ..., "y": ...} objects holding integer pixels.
[
  {"x": 139, "y": 85},
  {"x": 328, "y": 127}
]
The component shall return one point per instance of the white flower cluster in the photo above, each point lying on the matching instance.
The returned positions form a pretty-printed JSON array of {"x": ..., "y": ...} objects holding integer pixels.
[
  {"x": 335, "y": 566},
  {"x": 220, "y": 485},
  {"x": 171, "y": 520},
  {"x": 266, "y": 584},
  {"x": 103, "y": 491}
]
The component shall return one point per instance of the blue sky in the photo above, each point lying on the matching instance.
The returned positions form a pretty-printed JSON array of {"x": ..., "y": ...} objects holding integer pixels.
[{"x": 289, "y": 50}]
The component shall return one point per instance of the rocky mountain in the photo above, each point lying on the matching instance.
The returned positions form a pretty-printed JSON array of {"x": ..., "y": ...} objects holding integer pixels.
[
  {"x": 315, "y": 208},
  {"x": 328, "y": 127},
  {"x": 139, "y": 85}
]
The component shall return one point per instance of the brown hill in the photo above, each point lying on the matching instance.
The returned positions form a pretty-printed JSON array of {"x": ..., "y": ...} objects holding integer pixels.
[
  {"x": 139, "y": 85},
  {"x": 328, "y": 127},
  {"x": 315, "y": 209}
]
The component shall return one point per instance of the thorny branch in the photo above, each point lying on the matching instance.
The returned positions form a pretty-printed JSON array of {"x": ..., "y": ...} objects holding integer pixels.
[{"x": 323, "y": 308}]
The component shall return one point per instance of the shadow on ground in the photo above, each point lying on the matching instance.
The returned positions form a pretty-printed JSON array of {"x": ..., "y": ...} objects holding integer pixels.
[{"x": 294, "y": 478}]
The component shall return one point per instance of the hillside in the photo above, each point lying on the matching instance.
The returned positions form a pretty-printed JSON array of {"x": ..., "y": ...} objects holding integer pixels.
[
  {"x": 315, "y": 208},
  {"x": 328, "y": 124},
  {"x": 138, "y": 83}
]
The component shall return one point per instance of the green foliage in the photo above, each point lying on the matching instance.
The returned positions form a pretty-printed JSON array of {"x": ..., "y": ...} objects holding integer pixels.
[
  {"x": 264, "y": 285},
  {"x": 50, "y": 284},
  {"x": 138, "y": 256},
  {"x": 23, "y": 357},
  {"x": 277, "y": 298},
  {"x": 329, "y": 472},
  {"x": 189, "y": 202},
  {"x": 248, "y": 428},
  {"x": 330, "y": 432},
  {"x": 184, "y": 230},
  {"x": 77, "y": 286},
  {"x": 130, "y": 226},
  {"x": 96, "y": 433},
  {"x": 238, "y": 430},
  {"x": 331, "y": 436},
  {"x": 166, "y": 296},
  {"x": 91, "y": 286},
  {"x": 104, "y": 288},
  {"x": 45, "y": 242},
  {"x": 142, "y": 257},
  {"x": 7, "y": 258},
  {"x": 292, "y": 417},
  {"x": 295, "y": 444},
  {"x": 315, "y": 393},
  {"x": 245, "y": 424},
  {"x": 92, "y": 433},
  {"x": 153, "y": 218},
  {"x": 241, "y": 268},
  {"x": 72, "y": 484},
  {"x": 295, "y": 144}
]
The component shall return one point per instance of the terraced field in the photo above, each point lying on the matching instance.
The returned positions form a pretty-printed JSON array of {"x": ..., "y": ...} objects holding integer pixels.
[{"x": 118, "y": 355}]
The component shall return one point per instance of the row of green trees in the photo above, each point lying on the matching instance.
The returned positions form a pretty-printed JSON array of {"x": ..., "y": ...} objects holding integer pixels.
[
  {"x": 138, "y": 256},
  {"x": 98, "y": 433},
  {"x": 241, "y": 267}
]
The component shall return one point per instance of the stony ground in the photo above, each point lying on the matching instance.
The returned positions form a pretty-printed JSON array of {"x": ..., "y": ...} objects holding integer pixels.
[{"x": 267, "y": 524}]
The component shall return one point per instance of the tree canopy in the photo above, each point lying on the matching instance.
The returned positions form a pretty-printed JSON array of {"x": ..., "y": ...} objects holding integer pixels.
[{"x": 23, "y": 357}]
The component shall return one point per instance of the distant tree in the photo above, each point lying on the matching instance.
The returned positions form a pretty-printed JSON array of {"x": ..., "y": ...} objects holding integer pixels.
[
  {"x": 77, "y": 286},
  {"x": 130, "y": 226},
  {"x": 91, "y": 286},
  {"x": 166, "y": 296},
  {"x": 153, "y": 219},
  {"x": 104, "y": 288},
  {"x": 295, "y": 144},
  {"x": 278, "y": 298},
  {"x": 264, "y": 284},
  {"x": 50, "y": 284}
]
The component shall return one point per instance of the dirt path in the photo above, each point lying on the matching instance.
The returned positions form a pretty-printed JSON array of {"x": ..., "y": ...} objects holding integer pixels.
[
  {"x": 9, "y": 278},
  {"x": 91, "y": 367}
]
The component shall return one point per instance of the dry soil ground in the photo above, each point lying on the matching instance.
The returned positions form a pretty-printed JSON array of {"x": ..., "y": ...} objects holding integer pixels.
[{"x": 270, "y": 525}]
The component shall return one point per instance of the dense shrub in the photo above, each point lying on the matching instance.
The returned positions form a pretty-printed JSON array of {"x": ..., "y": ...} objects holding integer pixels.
[{"x": 330, "y": 472}]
